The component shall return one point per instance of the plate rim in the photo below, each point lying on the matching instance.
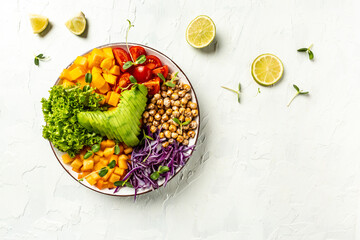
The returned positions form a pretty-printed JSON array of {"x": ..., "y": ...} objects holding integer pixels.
[{"x": 120, "y": 44}]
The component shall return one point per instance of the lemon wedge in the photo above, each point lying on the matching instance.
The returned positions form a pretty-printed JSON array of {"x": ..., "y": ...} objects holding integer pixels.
[
  {"x": 38, "y": 23},
  {"x": 77, "y": 24}
]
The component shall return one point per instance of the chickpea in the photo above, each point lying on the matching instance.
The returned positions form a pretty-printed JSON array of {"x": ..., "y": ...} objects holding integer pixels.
[
  {"x": 172, "y": 128},
  {"x": 150, "y": 119},
  {"x": 175, "y": 108},
  {"x": 163, "y": 87},
  {"x": 183, "y": 101},
  {"x": 176, "y": 90},
  {"x": 171, "y": 141},
  {"x": 193, "y": 125},
  {"x": 182, "y": 93},
  {"x": 195, "y": 112},
  {"x": 179, "y": 131},
  {"x": 181, "y": 110},
  {"x": 188, "y": 112},
  {"x": 177, "y": 103},
  {"x": 192, "y": 105},
  {"x": 153, "y": 100},
  {"x": 173, "y": 75},
  {"x": 180, "y": 139},
  {"x": 188, "y": 96},
  {"x": 175, "y": 114},
  {"x": 172, "y": 102},
  {"x": 175, "y": 96},
  {"x": 171, "y": 122},
  {"x": 144, "y": 121},
  {"x": 188, "y": 119},
  {"x": 186, "y": 127},
  {"x": 185, "y": 142},
  {"x": 152, "y": 112},
  {"x": 165, "y": 126},
  {"x": 165, "y": 117},
  {"x": 181, "y": 118},
  {"x": 186, "y": 87},
  {"x": 165, "y": 144},
  {"x": 157, "y": 96},
  {"x": 162, "y": 121},
  {"x": 169, "y": 92},
  {"x": 169, "y": 111},
  {"x": 163, "y": 94},
  {"x": 167, "y": 102},
  {"x": 167, "y": 134},
  {"x": 146, "y": 114},
  {"x": 161, "y": 135},
  {"x": 185, "y": 135},
  {"x": 153, "y": 129},
  {"x": 151, "y": 106},
  {"x": 191, "y": 134},
  {"x": 174, "y": 135},
  {"x": 161, "y": 111},
  {"x": 156, "y": 123},
  {"x": 160, "y": 103},
  {"x": 157, "y": 117}
]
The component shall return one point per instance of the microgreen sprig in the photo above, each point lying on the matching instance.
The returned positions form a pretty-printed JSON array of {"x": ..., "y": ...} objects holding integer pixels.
[
  {"x": 88, "y": 77},
  {"x": 171, "y": 82},
  {"x": 40, "y": 57},
  {"x": 177, "y": 121},
  {"x": 308, "y": 50},
  {"x": 298, "y": 92},
  {"x": 126, "y": 39},
  {"x": 103, "y": 171},
  {"x": 132, "y": 79},
  {"x": 234, "y": 91},
  {"x": 95, "y": 148},
  {"x": 161, "y": 170},
  {"x": 140, "y": 60},
  {"x": 122, "y": 183}
]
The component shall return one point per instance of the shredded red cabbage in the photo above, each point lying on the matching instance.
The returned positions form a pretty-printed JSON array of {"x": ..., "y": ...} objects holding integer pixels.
[{"x": 173, "y": 156}]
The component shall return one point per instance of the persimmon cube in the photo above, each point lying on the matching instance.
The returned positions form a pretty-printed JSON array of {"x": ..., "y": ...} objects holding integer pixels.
[
  {"x": 108, "y": 52},
  {"x": 123, "y": 164},
  {"x": 104, "y": 161},
  {"x": 65, "y": 74},
  {"x": 105, "y": 88},
  {"x": 114, "y": 178},
  {"x": 97, "y": 80},
  {"x": 114, "y": 99},
  {"x": 110, "y": 143},
  {"x": 110, "y": 78},
  {"x": 100, "y": 153},
  {"x": 106, "y": 177},
  {"x": 91, "y": 180},
  {"x": 115, "y": 70},
  {"x": 113, "y": 157},
  {"x": 99, "y": 166},
  {"x": 76, "y": 73},
  {"x": 103, "y": 145},
  {"x": 81, "y": 62},
  {"x": 88, "y": 165},
  {"x": 96, "y": 70},
  {"x": 95, "y": 58},
  {"x": 76, "y": 164},
  {"x": 66, "y": 158},
  {"x": 108, "y": 152},
  {"x": 96, "y": 158},
  {"x": 120, "y": 171},
  {"x": 107, "y": 63}
]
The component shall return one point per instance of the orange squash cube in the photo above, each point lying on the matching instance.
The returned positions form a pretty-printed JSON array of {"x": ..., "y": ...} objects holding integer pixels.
[
  {"x": 104, "y": 161},
  {"x": 108, "y": 52},
  {"x": 76, "y": 73},
  {"x": 97, "y": 80},
  {"x": 95, "y": 58},
  {"x": 110, "y": 143},
  {"x": 66, "y": 158},
  {"x": 120, "y": 171},
  {"x": 123, "y": 164},
  {"x": 105, "y": 88},
  {"x": 106, "y": 64},
  {"x": 110, "y": 78},
  {"x": 108, "y": 152},
  {"x": 88, "y": 165},
  {"x": 106, "y": 177},
  {"x": 100, "y": 153},
  {"x": 99, "y": 166},
  {"x": 76, "y": 164},
  {"x": 115, "y": 70},
  {"x": 65, "y": 74},
  {"x": 103, "y": 145},
  {"x": 91, "y": 180},
  {"x": 114, "y": 178},
  {"x": 67, "y": 83},
  {"x": 81, "y": 62},
  {"x": 96, "y": 70},
  {"x": 114, "y": 99}
]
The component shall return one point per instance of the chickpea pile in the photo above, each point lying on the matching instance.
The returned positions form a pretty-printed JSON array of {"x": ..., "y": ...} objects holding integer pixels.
[{"x": 168, "y": 104}]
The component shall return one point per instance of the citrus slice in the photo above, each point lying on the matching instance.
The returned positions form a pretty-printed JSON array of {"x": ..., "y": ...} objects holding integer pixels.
[
  {"x": 267, "y": 69},
  {"x": 38, "y": 23},
  {"x": 200, "y": 32},
  {"x": 77, "y": 24}
]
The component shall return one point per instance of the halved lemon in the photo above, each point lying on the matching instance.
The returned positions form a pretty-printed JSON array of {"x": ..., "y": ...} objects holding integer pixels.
[
  {"x": 38, "y": 23},
  {"x": 77, "y": 24},
  {"x": 200, "y": 32},
  {"x": 267, "y": 69}
]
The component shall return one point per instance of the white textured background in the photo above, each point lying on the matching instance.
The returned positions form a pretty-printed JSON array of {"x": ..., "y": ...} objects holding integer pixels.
[{"x": 261, "y": 171}]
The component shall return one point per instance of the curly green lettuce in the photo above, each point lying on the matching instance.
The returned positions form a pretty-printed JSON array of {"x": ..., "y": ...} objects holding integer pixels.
[{"x": 60, "y": 114}]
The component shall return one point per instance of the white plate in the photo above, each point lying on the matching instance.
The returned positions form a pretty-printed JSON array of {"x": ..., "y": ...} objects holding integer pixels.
[{"x": 125, "y": 191}]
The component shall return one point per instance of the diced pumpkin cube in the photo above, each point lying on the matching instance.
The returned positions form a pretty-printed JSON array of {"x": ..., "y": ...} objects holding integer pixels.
[
  {"x": 110, "y": 143},
  {"x": 105, "y": 88},
  {"x": 121, "y": 149},
  {"x": 114, "y": 99},
  {"x": 120, "y": 171},
  {"x": 91, "y": 180},
  {"x": 112, "y": 157},
  {"x": 107, "y": 63},
  {"x": 67, "y": 83},
  {"x": 103, "y": 144},
  {"x": 83, "y": 174},
  {"x": 108, "y": 152},
  {"x": 115, "y": 70},
  {"x": 96, "y": 158},
  {"x": 82, "y": 81},
  {"x": 96, "y": 70},
  {"x": 110, "y": 78},
  {"x": 128, "y": 150},
  {"x": 108, "y": 52},
  {"x": 114, "y": 178},
  {"x": 97, "y": 80},
  {"x": 99, "y": 166},
  {"x": 66, "y": 158},
  {"x": 76, "y": 73},
  {"x": 122, "y": 163},
  {"x": 104, "y": 161},
  {"x": 95, "y": 58},
  {"x": 76, "y": 164},
  {"x": 100, "y": 184},
  {"x": 65, "y": 74},
  {"x": 111, "y": 185},
  {"x": 81, "y": 62},
  {"x": 106, "y": 177},
  {"x": 107, "y": 96},
  {"x": 76, "y": 170},
  {"x": 88, "y": 165},
  {"x": 100, "y": 153}
]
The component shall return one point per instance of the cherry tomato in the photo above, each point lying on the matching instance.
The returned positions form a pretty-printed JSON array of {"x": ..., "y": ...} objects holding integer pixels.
[
  {"x": 124, "y": 81},
  {"x": 136, "y": 51},
  {"x": 153, "y": 86},
  {"x": 121, "y": 57},
  {"x": 164, "y": 70},
  {"x": 142, "y": 73},
  {"x": 152, "y": 62}
]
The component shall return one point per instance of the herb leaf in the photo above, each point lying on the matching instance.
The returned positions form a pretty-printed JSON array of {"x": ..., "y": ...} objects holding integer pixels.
[
  {"x": 298, "y": 92},
  {"x": 112, "y": 164},
  {"x": 132, "y": 79},
  {"x": 234, "y": 91},
  {"x": 163, "y": 169},
  {"x": 140, "y": 60},
  {"x": 155, "y": 175},
  {"x": 95, "y": 148},
  {"x": 88, "y": 154},
  {"x": 127, "y": 65},
  {"x": 186, "y": 123},
  {"x": 161, "y": 77},
  {"x": 36, "y": 61},
  {"x": 88, "y": 77},
  {"x": 296, "y": 88},
  {"x": 302, "y": 50},
  {"x": 177, "y": 121},
  {"x": 311, "y": 55},
  {"x": 103, "y": 171},
  {"x": 170, "y": 84},
  {"x": 117, "y": 150},
  {"x": 122, "y": 183}
]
